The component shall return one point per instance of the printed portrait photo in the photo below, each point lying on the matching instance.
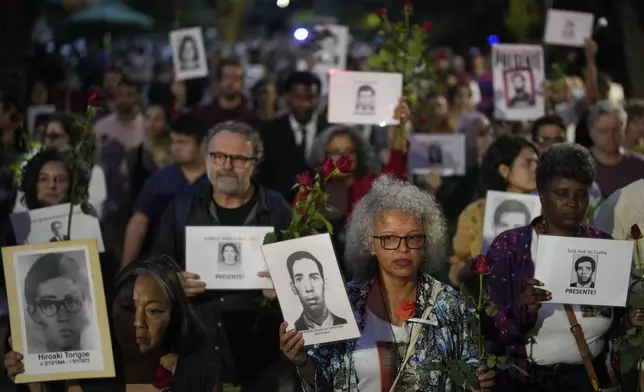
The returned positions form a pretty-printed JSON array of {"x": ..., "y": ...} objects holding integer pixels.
[
  {"x": 519, "y": 88},
  {"x": 229, "y": 257},
  {"x": 568, "y": 30},
  {"x": 327, "y": 47},
  {"x": 188, "y": 53},
  {"x": 510, "y": 214},
  {"x": 366, "y": 100},
  {"x": 57, "y": 231},
  {"x": 435, "y": 154},
  {"x": 59, "y": 312},
  {"x": 584, "y": 268},
  {"x": 308, "y": 284}
]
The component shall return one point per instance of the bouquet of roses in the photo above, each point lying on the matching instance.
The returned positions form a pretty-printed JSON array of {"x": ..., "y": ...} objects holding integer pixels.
[{"x": 311, "y": 201}]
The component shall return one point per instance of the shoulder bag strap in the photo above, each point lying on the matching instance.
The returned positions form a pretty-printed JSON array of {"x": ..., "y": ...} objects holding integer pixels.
[
  {"x": 578, "y": 333},
  {"x": 415, "y": 333}
]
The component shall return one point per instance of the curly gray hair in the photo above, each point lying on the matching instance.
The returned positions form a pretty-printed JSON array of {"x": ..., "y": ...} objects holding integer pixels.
[
  {"x": 389, "y": 193},
  {"x": 366, "y": 161}
]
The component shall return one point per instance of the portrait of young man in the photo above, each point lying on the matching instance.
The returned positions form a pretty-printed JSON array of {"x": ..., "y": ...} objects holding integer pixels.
[
  {"x": 57, "y": 231},
  {"x": 366, "y": 100},
  {"x": 584, "y": 272},
  {"x": 57, "y": 294},
  {"x": 510, "y": 214},
  {"x": 307, "y": 282},
  {"x": 520, "y": 90}
]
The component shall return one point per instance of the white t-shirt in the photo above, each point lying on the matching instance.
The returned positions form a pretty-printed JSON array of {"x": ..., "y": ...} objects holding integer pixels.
[
  {"x": 366, "y": 356},
  {"x": 552, "y": 340}
]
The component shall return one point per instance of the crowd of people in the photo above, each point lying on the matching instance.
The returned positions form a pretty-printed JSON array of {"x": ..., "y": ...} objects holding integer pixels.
[{"x": 233, "y": 161}]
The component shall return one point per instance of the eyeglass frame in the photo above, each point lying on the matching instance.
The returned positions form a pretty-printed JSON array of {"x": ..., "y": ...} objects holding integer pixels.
[
  {"x": 400, "y": 239},
  {"x": 59, "y": 303},
  {"x": 218, "y": 155}
]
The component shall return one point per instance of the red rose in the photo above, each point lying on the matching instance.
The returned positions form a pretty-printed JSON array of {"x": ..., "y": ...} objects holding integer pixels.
[
  {"x": 15, "y": 118},
  {"x": 380, "y": 12},
  {"x": 427, "y": 27},
  {"x": 300, "y": 210},
  {"x": 408, "y": 6},
  {"x": 441, "y": 55},
  {"x": 344, "y": 164},
  {"x": 304, "y": 179},
  {"x": 636, "y": 233},
  {"x": 304, "y": 193},
  {"x": 94, "y": 100},
  {"x": 327, "y": 167},
  {"x": 174, "y": 113},
  {"x": 422, "y": 118},
  {"x": 480, "y": 266},
  {"x": 162, "y": 378},
  {"x": 406, "y": 309}
]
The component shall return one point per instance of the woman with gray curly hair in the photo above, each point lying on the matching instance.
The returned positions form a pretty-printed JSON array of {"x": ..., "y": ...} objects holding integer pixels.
[{"x": 395, "y": 236}]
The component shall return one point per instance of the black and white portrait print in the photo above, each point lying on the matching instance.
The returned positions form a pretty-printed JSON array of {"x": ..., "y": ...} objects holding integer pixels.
[
  {"x": 58, "y": 232},
  {"x": 327, "y": 48},
  {"x": 519, "y": 89},
  {"x": 58, "y": 309},
  {"x": 188, "y": 53},
  {"x": 308, "y": 284},
  {"x": 568, "y": 30},
  {"x": 435, "y": 154},
  {"x": 189, "y": 59},
  {"x": 584, "y": 268},
  {"x": 230, "y": 257},
  {"x": 510, "y": 214},
  {"x": 366, "y": 100}
]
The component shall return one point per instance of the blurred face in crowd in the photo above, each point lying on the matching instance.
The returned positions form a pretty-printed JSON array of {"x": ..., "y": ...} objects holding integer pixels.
[
  {"x": 484, "y": 136},
  {"x": 178, "y": 88},
  {"x": 451, "y": 80},
  {"x": 111, "y": 82},
  {"x": 564, "y": 202},
  {"x": 58, "y": 308},
  {"x": 155, "y": 122},
  {"x": 39, "y": 94},
  {"x": 521, "y": 175},
  {"x": 478, "y": 65},
  {"x": 230, "y": 163},
  {"x": 608, "y": 134},
  {"x": 151, "y": 313},
  {"x": 5, "y": 115},
  {"x": 127, "y": 97},
  {"x": 342, "y": 145},
  {"x": 55, "y": 136},
  {"x": 302, "y": 100},
  {"x": 184, "y": 148},
  {"x": 441, "y": 109},
  {"x": 458, "y": 63},
  {"x": 398, "y": 257},
  {"x": 52, "y": 186},
  {"x": 231, "y": 84},
  {"x": 550, "y": 134},
  {"x": 634, "y": 130},
  {"x": 462, "y": 98}
]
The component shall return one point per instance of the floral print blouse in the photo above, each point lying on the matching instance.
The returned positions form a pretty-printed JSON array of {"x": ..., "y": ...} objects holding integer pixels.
[{"x": 446, "y": 339}]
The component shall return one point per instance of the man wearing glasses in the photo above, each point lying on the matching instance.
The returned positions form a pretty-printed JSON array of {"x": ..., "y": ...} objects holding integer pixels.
[
  {"x": 236, "y": 321},
  {"x": 56, "y": 295}
]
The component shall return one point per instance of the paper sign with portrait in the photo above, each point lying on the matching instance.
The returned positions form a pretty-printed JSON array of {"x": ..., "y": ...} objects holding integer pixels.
[
  {"x": 568, "y": 28},
  {"x": 49, "y": 224},
  {"x": 363, "y": 97},
  {"x": 518, "y": 74},
  {"x": 57, "y": 311},
  {"x": 37, "y": 117},
  {"x": 311, "y": 290},
  {"x": 584, "y": 271},
  {"x": 444, "y": 153},
  {"x": 188, "y": 53},
  {"x": 227, "y": 257},
  {"x": 506, "y": 211}
]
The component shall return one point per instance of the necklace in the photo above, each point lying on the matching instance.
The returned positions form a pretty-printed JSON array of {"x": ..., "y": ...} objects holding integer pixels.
[{"x": 391, "y": 329}]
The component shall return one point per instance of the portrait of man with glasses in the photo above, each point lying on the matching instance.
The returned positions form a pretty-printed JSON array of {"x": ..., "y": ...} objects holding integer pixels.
[{"x": 58, "y": 303}]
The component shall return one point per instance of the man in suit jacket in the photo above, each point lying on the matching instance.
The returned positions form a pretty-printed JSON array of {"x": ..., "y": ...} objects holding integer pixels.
[
  {"x": 307, "y": 282},
  {"x": 585, "y": 267},
  {"x": 56, "y": 228},
  {"x": 288, "y": 139}
]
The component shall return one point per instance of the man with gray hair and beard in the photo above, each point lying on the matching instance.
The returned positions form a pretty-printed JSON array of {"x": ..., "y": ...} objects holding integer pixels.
[{"x": 229, "y": 197}]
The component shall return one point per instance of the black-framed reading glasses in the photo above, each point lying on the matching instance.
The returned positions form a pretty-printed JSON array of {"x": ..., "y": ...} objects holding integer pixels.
[
  {"x": 392, "y": 242},
  {"x": 51, "y": 307},
  {"x": 237, "y": 161}
]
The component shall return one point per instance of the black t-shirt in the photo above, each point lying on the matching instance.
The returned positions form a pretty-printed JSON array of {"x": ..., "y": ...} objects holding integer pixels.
[{"x": 236, "y": 216}]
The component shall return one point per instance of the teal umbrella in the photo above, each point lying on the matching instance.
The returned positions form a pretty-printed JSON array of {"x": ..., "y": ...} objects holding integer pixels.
[{"x": 109, "y": 14}]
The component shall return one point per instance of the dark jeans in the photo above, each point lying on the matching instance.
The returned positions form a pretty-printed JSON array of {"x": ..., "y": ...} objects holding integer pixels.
[{"x": 569, "y": 378}]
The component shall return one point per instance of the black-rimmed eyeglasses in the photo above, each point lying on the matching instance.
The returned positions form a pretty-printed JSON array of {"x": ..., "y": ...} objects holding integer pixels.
[
  {"x": 51, "y": 307},
  {"x": 392, "y": 242},
  {"x": 237, "y": 161}
]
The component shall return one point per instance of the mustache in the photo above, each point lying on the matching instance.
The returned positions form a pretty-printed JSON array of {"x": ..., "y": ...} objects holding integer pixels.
[{"x": 226, "y": 173}]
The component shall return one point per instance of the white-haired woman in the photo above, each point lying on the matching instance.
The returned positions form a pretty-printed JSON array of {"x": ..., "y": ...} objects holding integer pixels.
[{"x": 395, "y": 234}]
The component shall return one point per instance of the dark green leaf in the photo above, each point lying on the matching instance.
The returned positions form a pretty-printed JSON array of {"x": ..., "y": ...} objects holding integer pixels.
[
  {"x": 626, "y": 361},
  {"x": 632, "y": 331},
  {"x": 491, "y": 362},
  {"x": 502, "y": 359},
  {"x": 636, "y": 300},
  {"x": 457, "y": 377},
  {"x": 491, "y": 310},
  {"x": 472, "y": 381},
  {"x": 270, "y": 238}
]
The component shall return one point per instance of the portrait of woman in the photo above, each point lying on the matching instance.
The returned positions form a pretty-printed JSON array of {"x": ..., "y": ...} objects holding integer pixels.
[
  {"x": 188, "y": 54},
  {"x": 229, "y": 254}
]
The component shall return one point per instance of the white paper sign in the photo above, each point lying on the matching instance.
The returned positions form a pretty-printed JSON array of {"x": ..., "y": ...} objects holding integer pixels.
[
  {"x": 227, "y": 257},
  {"x": 311, "y": 290},
  {"x": 363, "y": 97},
  {"x": 188, "y": 53},
  {"x": 568, "y": 28},
  {"x": 518, "y": 73},
  {"x": 49, "y": 224},
  {"x": 584, "y": 271},
  {"x": 332, "y": 42},
  {"x": 444, "y": 153},
  {"x": 34, "y": 112},
  {"x": 505, "y": 211}
]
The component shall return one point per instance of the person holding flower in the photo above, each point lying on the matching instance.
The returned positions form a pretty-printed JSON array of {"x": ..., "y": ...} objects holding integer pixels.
[
  {"x": 535, "y": 334},
  {"x": 410, "y": 323}
]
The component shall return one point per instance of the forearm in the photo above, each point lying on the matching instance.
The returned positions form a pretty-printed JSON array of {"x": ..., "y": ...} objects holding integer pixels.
[
  {"x": 307, "y": 372},
  {"x": 135, "y": 233}
]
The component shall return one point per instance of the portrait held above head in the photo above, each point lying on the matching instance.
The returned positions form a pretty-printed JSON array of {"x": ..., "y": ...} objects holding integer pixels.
[
  {"x": 510, "y": 214},
  {"x": 188, "y": 53},
  {"x": 57, "y": 231},
  {"x": 327, "y": 47},
  {"x": 365, "y": 100},
  {"x": 520, "y": 94},
  {"x": 230, "y": 255},
  {"x": 568, "y": 30},
  {"x": 58, "y": 301},
  {"x": 307, "y": 282},
  {"x": 583, "y": 272}
]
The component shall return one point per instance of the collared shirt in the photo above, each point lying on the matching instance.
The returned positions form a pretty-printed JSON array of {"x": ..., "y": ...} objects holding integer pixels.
[
  {"x": 327, "y": 322},
  {"x": 311, "y": 129}
]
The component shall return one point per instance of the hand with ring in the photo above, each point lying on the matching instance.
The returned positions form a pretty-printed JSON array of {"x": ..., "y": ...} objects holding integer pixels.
[{"x": 292, "y": 345}]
